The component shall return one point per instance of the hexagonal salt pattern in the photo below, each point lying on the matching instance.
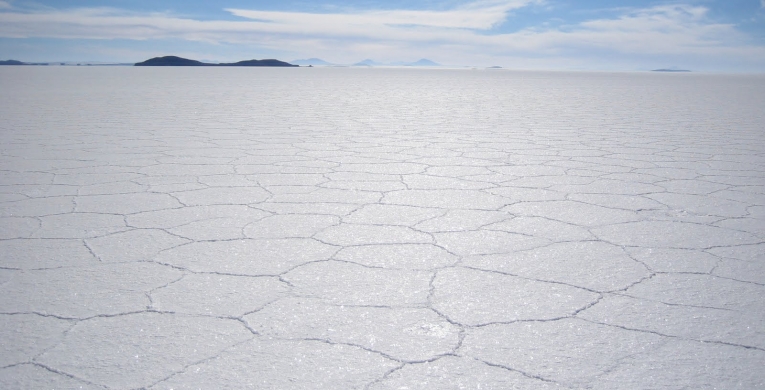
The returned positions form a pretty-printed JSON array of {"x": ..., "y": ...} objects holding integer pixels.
[{"x": 380, "y": 229}]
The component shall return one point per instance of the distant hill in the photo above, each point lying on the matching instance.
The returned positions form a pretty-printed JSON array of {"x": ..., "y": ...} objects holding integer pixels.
[
  {"x": 367, "y": 62},
  {"x": 424, "y": 62},
  {"x": 11, "y": 62},
  {"x": 269, "y": 62},
  {"x": 171, "y": 61},
  {"x": 311, "y": 61},
  {"x": 670, "y": 70},
  {"x": 178, "y": 61}
]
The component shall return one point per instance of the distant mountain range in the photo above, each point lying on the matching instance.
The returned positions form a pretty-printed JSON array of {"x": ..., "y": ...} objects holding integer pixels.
[
  {"x": 178, "y": 61},
  {"x": 670, "y": 70}
]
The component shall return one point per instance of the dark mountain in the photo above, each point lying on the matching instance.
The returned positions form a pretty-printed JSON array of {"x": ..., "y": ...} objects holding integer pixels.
[
  {"x": 178, "y": 61},
  {"x": 269, "y": 62},
  {"x": 171, "y": 61},
  {"x": 11, "y": 62}
]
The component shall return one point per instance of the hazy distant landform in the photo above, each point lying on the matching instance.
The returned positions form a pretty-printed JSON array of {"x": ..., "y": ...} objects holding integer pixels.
[
  {"x": 670, "y": 70},
  {"x": 178, "y": 61},
  {"x": 15, "y": 62}
]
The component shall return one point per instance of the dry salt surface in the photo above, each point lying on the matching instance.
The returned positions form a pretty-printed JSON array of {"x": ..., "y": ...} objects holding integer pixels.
[{"x": 380, "y": 229}]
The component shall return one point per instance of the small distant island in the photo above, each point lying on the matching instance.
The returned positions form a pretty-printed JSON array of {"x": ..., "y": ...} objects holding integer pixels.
[
  {"x": 178, "y": 61},
  {"x": 11, "y": 62},
  {"x": 15, "y": 62},
  {"x": 670, "y": 70}
]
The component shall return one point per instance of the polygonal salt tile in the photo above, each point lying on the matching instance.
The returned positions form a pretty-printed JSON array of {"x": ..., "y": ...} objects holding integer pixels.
[
  {"x": 329, "y": 195},
  {"x": 344, "y": 283},
  {"x": 280, "y": 364},
  {"x": 403, "y": 333},
  {"x": 570, "y": 351},
  {"x": 546, "y": 182},
  {"x": 427, "y": 182},
  {"x": 134, "y": 245},
  {"x": 674, "y": 260},
  {"x": 741, "y": 327},
  {"x": 378, "y": 186},
  {"x": 26, "y": 335},
  {"x": 122, "y": 187},
  {"x": 36, "y": 254},
  {"x": 18, "y": 227},
  {"x": 521, "y": 194},
  {"x": 459, "y": 293},
  {"x": 289, "y": 226},
  {"x": 744, "y": 263},
  {"x": 668, "y": 234},
  {"x": 624, "y": 202},
  {"x": 79, "y": 225},
  {"x": 339, "y": 209},
  {"x": 278, "y": 190},
  {"x": 452, "y": 372},
  {"x": 16, "y": 178},
  {"x": 575, "y": 213},
  {"x": 610, "y": 187},
  {"x": 484, "y": 242},
  {"x": 694, "y": 365},
  {"x": 81, "y": 292},
  {"x": 381, "y": 214},
  {"x": 247, "y": 257},
  {"x": 700, "y": 290},
  {"x": 461, "y": 220},
  {"x": 440, "y": 161},
  {"x": 361, "y": 176},
  {"x": 449, "y": 199},
  {"x": 37, "y": 207},
  {"x": 222, "y": 196},
  {"x": 693, "y": 187},
  {"x": 751, "y": 225},
  {"x": 125, "y": 203},
  {"x": 218, "y": 295},
  {"x": 670, "y": 173},
  {"x": 30, "y": 376},
  {"x": 84, "y": 179},
  {"x": 351, "y": 234},
  {"x": 589, "y": 264},
  {"x": 294, "y": 179},
  {"x": 542, "y": 228},
  {"x": 401, "y": 168},
  {"x": 227, "y": 181},
  {"x": 187, "y": 169},
  {"x": 702, "y": 205},
  {"x": 398, "y": 256},
  {"x": 530, "y": 170},
  {"x": 456, "y": 171},
  {"x": 137, "y": 350},
  {"x": 200, "y": 222}
]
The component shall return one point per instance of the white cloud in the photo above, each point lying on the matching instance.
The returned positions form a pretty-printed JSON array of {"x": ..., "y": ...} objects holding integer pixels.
[
  {"x": 7, "y": 5},
  {"x": 762, "y": 3},
  {"x": 457, "y": 35}
]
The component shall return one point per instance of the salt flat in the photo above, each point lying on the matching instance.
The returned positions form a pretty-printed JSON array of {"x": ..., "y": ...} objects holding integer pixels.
[{"x": 380, "y": 228}]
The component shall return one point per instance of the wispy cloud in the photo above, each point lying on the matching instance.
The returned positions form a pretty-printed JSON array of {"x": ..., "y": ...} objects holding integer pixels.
[
  {"x": 451, "y": 36},
  {"x": 7, "y": 5}
]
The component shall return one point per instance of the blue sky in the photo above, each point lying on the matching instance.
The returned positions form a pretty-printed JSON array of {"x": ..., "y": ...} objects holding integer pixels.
[{"x": 706, "y": 35}]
